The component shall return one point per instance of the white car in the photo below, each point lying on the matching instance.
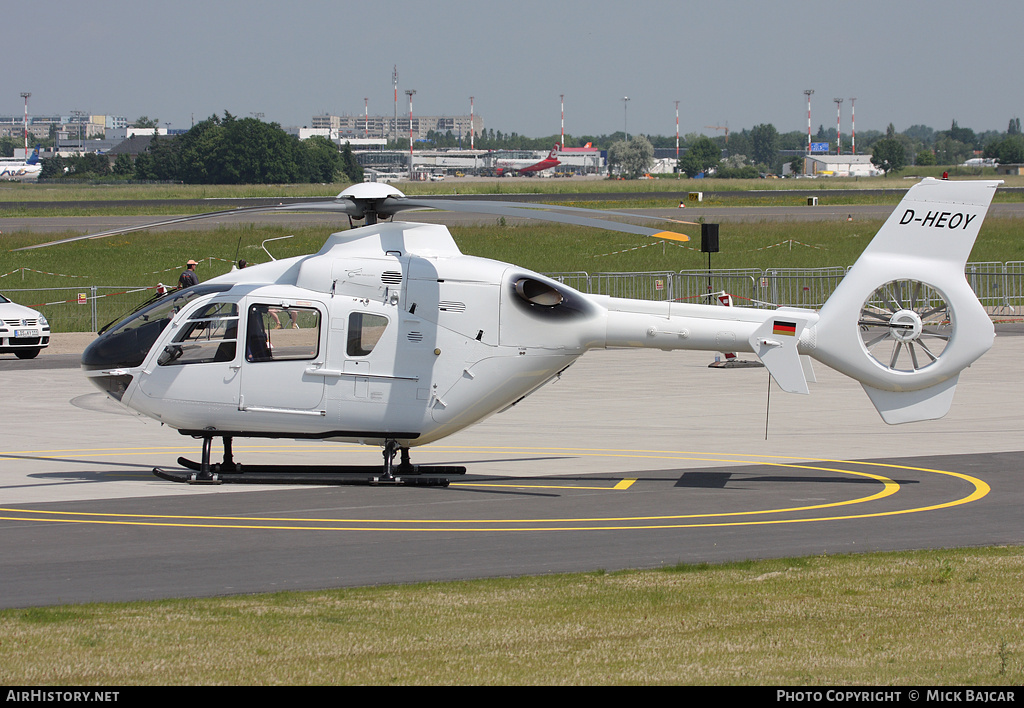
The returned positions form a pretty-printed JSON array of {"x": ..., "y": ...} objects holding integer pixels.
[{"x": 23, "y": 331}]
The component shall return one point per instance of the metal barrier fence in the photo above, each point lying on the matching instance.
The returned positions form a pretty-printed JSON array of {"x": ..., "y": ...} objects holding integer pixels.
[
  {"x": 1013, "y": 277},
  {"x": 577, "y": 280},
  {"x": 999, "y": 286},
  {"x": 635, "y": 286},
  {"x": 82, "y": 308},
  {"x": 988, "y": 281},
  {"x": 700, "y": 286},
  {"x": 801, "y": 287}
]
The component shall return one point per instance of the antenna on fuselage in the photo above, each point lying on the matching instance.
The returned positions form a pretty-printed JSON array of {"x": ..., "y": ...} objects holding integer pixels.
[{"x": 264, "y": 244}]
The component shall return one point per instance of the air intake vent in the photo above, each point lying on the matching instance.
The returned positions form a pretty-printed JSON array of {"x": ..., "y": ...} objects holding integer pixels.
[
  {"x": 391, "y": 277},
  {"x": 451, "y": 306},
  {"x": 538, "y": 293},
  {"x": 415, "y": 336}
]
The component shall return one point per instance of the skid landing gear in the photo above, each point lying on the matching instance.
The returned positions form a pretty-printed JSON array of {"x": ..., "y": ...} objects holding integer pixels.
[{"x": 229, "y": 472}]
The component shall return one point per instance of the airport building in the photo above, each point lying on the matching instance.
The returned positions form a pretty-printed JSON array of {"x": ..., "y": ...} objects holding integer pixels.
[
  {"x": 386, "y": 127},
  {"x": 356, "y": 143},
  {"x": 388, "y": 165},
  {"x": 840, "y": 166},
  {"x": 1010, "y": 169},
  {"x": 78, "y": 123}
]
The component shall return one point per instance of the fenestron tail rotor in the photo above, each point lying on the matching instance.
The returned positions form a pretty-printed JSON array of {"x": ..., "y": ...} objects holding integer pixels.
[{"x": 906, "y": 325}]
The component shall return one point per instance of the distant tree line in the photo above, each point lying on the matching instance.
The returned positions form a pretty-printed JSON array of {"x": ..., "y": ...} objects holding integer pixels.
[
  {"x": 221, "y": 150},
  {"x": 230, "y": 150},
  {"x": 8, "y": 145},
  {"x": 920, "y": 145},
  {"x": 758, "y": 150}
]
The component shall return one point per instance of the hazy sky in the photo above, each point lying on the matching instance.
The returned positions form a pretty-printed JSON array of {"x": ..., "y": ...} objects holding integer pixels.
[{"x": 727, "y": 62}]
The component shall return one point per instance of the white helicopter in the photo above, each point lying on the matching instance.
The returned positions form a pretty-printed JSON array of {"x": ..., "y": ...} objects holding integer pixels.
[{"x": 390, "y": 336}]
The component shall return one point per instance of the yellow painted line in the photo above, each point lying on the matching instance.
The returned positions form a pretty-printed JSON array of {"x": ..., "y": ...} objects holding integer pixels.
[{"x": 889, "y": 487}]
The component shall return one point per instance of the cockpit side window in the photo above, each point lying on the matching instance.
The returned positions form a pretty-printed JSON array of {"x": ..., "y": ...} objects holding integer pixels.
[
  {"x": 209, "y": 335},
  {"x": 278, "y": 332},
  {"x": 127, "y": 343},
  {"x": 364, "y": 331},
  {"x": 162, "y": 309}
]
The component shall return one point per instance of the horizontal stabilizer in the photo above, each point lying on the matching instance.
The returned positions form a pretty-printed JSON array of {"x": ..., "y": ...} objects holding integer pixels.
[
  {"x": 775, "y": 343},
  {"x": 911, "y": 406}
]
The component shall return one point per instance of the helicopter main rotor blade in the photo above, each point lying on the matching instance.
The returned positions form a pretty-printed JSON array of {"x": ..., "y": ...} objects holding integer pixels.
[
  {"x": 359, "y": 208},
  {"x": 344, "y": 207},
  {"x": 540, "y": 212},
  {"x": 471, "y": 204}
]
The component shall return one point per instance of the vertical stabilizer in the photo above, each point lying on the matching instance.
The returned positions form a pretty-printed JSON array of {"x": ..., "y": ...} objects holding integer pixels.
[{"x": 904, "y": 321}]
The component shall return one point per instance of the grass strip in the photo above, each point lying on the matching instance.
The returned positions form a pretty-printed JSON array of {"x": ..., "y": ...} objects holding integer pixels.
[
  {"x": 146, "y": 258},
  {"x": 107, "y": 191},
  {"x": 949, "y": 617}
]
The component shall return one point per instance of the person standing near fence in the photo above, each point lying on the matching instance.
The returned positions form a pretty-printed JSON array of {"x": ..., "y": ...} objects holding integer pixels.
[{"x": 188, "y": 277}]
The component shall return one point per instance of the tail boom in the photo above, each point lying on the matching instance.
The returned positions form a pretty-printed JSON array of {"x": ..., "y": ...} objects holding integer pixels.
[
  {"x": 775, "y": 336},
  {"x": 904, "y": 321}
]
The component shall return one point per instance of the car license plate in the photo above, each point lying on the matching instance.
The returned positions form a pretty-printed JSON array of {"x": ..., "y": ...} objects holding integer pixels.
[{"x": 20, "y": 333}]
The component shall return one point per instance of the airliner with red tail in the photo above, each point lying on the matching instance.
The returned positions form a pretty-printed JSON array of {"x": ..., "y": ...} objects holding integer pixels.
[{"x": 525, "y": 167}]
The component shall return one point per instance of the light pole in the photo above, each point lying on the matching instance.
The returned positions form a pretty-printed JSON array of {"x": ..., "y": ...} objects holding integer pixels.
[
  {"x": 25, "y": 95},
  {"x": 677, "y": 132},
  {"x": 853, "y": 127},
  {"x": 808, "y": 93},
  {"x": 561, "y": 98},
  {"x": 410, "y": 93},
  {"x": 625, "y": 116},
  {"x": 839, "y": 135}
]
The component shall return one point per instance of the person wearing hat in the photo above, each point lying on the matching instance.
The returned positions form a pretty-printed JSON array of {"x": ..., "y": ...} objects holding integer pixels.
[{"x": 188, "y": 277}]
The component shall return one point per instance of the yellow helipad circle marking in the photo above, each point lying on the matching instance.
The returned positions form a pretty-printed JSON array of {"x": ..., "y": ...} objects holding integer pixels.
[{"x": 675, "y": 521}]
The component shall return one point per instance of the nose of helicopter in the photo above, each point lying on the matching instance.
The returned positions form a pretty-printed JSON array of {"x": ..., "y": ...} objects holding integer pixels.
[
  {"x": 108, "y": 358},
  {"x": 114, "y": 384},
  {"x": 123, "y": 348}
]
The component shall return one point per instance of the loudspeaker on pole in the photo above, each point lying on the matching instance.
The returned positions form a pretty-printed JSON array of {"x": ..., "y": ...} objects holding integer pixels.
[{"x": 709, "y": 238}]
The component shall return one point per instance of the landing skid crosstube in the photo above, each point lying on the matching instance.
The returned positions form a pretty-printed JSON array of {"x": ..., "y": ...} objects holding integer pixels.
[{"x": 388, "y": 474}]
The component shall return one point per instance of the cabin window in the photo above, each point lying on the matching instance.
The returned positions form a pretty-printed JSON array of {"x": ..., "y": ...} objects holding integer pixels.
[
  {"x": 281, "y": 333},
  {"x": 210, "y": 334},
  {"x": 364, "y": 331}
]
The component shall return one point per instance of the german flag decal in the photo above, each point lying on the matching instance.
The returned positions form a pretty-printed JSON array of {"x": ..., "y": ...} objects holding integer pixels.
[{"x": 786, "y": 328}]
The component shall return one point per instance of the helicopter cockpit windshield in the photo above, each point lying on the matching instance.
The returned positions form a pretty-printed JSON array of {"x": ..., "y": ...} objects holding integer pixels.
[{"x": 127, "y": 343}]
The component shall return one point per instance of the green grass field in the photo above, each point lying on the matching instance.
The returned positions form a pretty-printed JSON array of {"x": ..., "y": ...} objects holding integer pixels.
[
  {"x": 918, "y": 618},
  {"x": 144, "y": 259},
  {"x": 58, "y": 191}
]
